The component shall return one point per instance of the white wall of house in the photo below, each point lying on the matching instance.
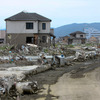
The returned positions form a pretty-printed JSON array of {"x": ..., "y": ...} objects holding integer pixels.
[
  {"x": 20, "y": 27},
  {"x": 79, "y": 35},
  {"x": 47, "y": 30}
]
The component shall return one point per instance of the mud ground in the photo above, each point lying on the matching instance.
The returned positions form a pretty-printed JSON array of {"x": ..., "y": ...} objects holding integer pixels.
[
  {"x": 47, "y": 81},
  {"x": 51, "y": 77}
]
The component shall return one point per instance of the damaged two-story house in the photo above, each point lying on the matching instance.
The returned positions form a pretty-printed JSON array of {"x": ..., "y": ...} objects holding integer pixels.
[
  {"x": 32, "y": 28},
  {"x": 77, "y": 37}
]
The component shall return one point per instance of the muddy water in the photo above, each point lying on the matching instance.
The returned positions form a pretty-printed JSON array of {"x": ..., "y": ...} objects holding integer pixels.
[{"x": 67, "y": 88}]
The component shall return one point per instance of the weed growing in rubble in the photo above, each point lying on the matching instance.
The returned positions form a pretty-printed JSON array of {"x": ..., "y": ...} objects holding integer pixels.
[
  {"x": 70, "y": 46},
  {"x": 46, "y": 50}
]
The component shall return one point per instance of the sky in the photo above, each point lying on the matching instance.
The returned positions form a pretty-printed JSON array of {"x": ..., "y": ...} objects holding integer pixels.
[{"x": 61, "y": 12}]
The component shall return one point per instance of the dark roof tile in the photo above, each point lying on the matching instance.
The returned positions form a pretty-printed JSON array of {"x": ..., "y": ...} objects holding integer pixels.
[
  {"x": 24, "y": 16},
  {"x": 77, "y": 32}
]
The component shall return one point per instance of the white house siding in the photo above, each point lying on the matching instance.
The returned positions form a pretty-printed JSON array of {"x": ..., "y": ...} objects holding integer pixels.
[
  {"x": 20, "y": 27},
  {"x": 47, "y": 30},
  {"x": 78, "y": 35}
]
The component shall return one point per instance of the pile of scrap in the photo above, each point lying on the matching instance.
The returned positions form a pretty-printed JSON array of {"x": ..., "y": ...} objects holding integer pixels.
[
  {"x": 9, "y": 86},
  {"x": 12, "y": 79},
  {"x": 27, "y": 87},
  {"x": 6, "y": 83},
  {"x": 11, "y": 82},
  {"x": 84, "y": 55},
  {"x": 29, "y": 49},
  {"x": 89, "y": 48}
]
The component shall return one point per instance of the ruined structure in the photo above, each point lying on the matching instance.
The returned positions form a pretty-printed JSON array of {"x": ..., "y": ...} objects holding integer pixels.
[
  {"x": 77, "y": 38},
  {"x": 2, "y": 36},
  {"x": 25, "y": 27}
]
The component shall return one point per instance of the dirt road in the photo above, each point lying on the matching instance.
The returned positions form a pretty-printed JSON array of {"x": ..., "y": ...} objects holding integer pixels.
[{"x": 87, "y": 88}]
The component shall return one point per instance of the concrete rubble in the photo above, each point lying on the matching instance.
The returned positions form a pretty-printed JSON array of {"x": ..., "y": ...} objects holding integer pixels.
[
  {"x": 15, "y": 76},
  {"x": 39, "y": 59},
  {"x": 27, "y": 87},
  {"x": 84, "y": 55}
]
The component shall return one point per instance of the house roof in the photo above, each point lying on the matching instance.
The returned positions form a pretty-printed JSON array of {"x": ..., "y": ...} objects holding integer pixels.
[
  {"x": 64, "y": 37},
  {"x": 77, "y": 32},
  {"x": 76, "y": 38},
  {"x": 25, "y": 16}
]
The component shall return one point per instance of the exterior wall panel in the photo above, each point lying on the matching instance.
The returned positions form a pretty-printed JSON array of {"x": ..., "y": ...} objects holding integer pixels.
[
  {"x": 47, "y": 27},
  {"x": 78, "y": 35},
  {"x": 20, "y": 27}
]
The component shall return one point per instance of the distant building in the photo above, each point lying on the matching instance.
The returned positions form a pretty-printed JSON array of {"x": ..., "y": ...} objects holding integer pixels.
[
  {"x": 25, "y": 27},
  {"x": 99, "y": 39},
  {"x": 93, "y": 39},
  {"x": 2, "y": 36},
  {"x": 77, "y": 38},
  {"x": 91, "y": 32},
  {"x": 63, "y": 39}
]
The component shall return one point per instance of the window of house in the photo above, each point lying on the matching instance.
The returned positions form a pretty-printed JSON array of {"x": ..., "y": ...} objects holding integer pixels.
[
  {"x": 81, "y": 35},
  {"x": 44, "y": 39},
  {"x": 30, "y": 40},
  {"x": 29, "y": 25},
  {"x": 43, "y": 26}
]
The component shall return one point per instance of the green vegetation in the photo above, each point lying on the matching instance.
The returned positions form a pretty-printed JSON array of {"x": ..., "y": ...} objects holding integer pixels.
[
  {"x": 46, "y": 50},
  {"x": 57, "y": 44},
  {"x": 70, "y": 46},
  {"x": 6, "y": 47},
  {"x": 2, "y": 47},
  {"x": 88, "y": 44}
]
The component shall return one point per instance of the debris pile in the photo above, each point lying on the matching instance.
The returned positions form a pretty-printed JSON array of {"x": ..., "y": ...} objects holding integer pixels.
[
  {"x": 84, "y": 55},
  {"x": 9, "y": 86},
  {"x": 6, "y": 83},
  {"x": 39, "y": 59},
  {"x": 27, "y": 87}
]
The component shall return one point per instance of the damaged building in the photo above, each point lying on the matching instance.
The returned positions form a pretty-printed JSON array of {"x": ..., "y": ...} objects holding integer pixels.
[
  {"x": 32, "y": 28},
  {"x": 77, "y": 37},
  {"x": 2, "y": 36}
]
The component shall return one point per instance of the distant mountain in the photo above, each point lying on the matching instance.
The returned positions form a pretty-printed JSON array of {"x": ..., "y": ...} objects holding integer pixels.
[{"x": 67, "y": 29}]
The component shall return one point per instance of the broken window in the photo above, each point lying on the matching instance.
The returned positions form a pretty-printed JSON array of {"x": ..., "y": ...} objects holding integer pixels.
[
  {"x": 44, "y": 38},
  {"x": 81, "y": 35},
  {"x": 29, "y": 25},
  {"x": 30, "y": 39},
  {"x": 1, "y": 41},
  {"x": 43, "y": 26}
]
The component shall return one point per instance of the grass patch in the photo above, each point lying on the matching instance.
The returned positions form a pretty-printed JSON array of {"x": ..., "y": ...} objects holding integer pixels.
[
  {"x": 46, "y": 50},
  {"x": 70, "y": 46}
]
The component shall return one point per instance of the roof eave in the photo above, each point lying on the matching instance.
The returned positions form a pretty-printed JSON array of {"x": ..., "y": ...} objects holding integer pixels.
[{"x": 29, "y": 20}]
